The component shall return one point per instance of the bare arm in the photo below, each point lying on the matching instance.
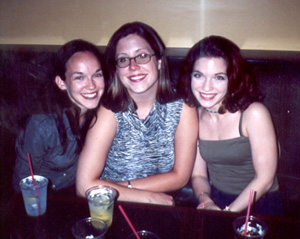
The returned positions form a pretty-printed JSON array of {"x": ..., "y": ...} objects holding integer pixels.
[
  {"x": 200, "y": 184},
  {"x": 93, "y": 156},
  {"x": 260, "y": 130},
  {"x": 185, "y": 151},
  {"x": 92, "y": 161}
]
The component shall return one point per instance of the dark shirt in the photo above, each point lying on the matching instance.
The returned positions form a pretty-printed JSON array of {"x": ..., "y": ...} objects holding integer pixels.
[{"x": 41, "y": 139}]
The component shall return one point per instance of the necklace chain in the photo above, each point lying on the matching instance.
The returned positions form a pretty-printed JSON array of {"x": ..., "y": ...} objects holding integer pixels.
[{"x": 212, "y": 111}]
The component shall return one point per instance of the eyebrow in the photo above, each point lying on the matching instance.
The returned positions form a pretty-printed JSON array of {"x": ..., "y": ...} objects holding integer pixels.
[
  {"x": 223, "y": 73},
  {"x": 81, "y": 73},
  {"x": 137, "y": 51},
  {"x": 77, "y": 73}
]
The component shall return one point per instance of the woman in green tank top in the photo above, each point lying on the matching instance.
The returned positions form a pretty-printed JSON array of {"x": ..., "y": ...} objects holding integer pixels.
[{"x": 237, "y": 148}]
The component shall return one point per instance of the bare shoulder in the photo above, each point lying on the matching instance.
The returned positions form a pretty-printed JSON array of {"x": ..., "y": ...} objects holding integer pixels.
[
  {"x": 105, "y": 120},
  {"x": 257, "y": 118},
  {"x": 186, "y": 106},
  {"x": 105, "y": 114},
  {"x": 188, "y": 122},
  {"x": 103, "y": 110},
  {"x": 189, "y": 111},
  {"x": 256, "y": 111}
]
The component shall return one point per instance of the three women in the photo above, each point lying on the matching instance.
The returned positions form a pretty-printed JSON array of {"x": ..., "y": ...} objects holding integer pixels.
[{"x": 143, "y": 140}]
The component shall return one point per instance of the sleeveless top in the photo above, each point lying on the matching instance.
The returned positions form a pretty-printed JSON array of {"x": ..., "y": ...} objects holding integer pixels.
[
  {"x": 143, "y": 147},
  {"x": 229, "y": 162}
]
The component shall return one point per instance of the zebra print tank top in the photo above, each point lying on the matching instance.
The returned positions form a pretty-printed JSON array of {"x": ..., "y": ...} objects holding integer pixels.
[{"x": 143, "y": 147}]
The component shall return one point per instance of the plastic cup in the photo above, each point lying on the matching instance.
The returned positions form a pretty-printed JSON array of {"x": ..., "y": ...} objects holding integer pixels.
[
  {"x": 144, "y": 235},
  {"x": 256, "y": 228},
  {"x": 101, "y": 202},
  {"x": 89, "y": 228},
  {"x": 35, "y": 198}
]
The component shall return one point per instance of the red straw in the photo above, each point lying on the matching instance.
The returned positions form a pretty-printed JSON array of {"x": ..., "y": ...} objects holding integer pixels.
[
  {"x": 129, "y": 222},
  {"x": 33, "y": 181},
  {"x": 31, "y": 170},
  {"x": 248, "y": 211}
]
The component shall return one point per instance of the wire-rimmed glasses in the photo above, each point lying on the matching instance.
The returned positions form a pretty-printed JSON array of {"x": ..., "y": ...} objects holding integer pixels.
[{"x": 140, "y": 59}]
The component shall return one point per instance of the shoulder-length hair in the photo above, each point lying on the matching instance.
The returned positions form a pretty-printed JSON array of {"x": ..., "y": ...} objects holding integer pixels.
[
  {"x": 242, "y": 90},
  {"x": 116, "y": 96}
]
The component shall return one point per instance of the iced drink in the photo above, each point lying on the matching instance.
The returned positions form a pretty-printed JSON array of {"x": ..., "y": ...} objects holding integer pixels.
[
  {"x": 89, "y": 228},
  {"x": 35, "y": 198},
  {"x": 256, "y": 228},
  {"x": 101, "y": 202}
]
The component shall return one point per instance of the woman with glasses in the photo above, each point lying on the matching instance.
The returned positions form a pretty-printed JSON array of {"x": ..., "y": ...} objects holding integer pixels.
[
  {"x": 237, "y": 141},
  {"x": 144, "y": 141}
]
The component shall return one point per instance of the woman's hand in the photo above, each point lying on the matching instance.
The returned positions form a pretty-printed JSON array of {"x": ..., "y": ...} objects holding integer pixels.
[
  {"x": 143, "y": 196},
  {"x": 159, "y": 198},
  {"x": 210, "y": 205},
  {"x": 207, "y": 203}
]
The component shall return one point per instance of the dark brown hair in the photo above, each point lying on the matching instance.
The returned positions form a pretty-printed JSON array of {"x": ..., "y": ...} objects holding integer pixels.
[
  {"x": 72, "y": 111},
  {"x": 116, "y": 96},
  {"x": 242, "y": 90}
]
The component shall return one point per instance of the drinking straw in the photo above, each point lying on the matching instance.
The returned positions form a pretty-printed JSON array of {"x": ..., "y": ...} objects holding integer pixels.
[
  {"x": 34, "y": 184},
  {"x": 248, "y": 211},
  {"x": 129, "y": 222},
  {"x": 31, "y": 170}
]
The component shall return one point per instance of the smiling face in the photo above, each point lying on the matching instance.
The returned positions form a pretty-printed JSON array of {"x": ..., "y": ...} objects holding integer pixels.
[
  {"x": 138, "y": 79},
  {"x": 210, "y": 82},
  {"x": 84, "y": 81}
]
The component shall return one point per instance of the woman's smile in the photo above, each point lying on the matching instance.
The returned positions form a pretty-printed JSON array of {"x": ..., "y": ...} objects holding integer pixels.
[
  {"x": 137, "y": 78},
  {"x": 90, "y": 95},
  {"x": 206, "y": 96}
]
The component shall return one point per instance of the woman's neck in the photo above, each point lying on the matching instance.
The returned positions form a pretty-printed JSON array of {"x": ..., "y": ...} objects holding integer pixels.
[
  {"x": 81, "y": 119},
  {"x": 144, "y": 103},
  {"x": 144, "y": 108}
]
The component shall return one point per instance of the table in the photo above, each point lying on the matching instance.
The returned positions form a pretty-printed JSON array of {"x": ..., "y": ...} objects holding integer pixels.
[{"x": 168, "y": 222}]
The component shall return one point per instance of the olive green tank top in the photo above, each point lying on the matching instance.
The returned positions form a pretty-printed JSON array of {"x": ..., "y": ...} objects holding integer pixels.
[{"x": 229, "y": 162}]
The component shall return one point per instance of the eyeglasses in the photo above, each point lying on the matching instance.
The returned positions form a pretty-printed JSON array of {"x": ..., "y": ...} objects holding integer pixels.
[{"x": 140, "y": 59}]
